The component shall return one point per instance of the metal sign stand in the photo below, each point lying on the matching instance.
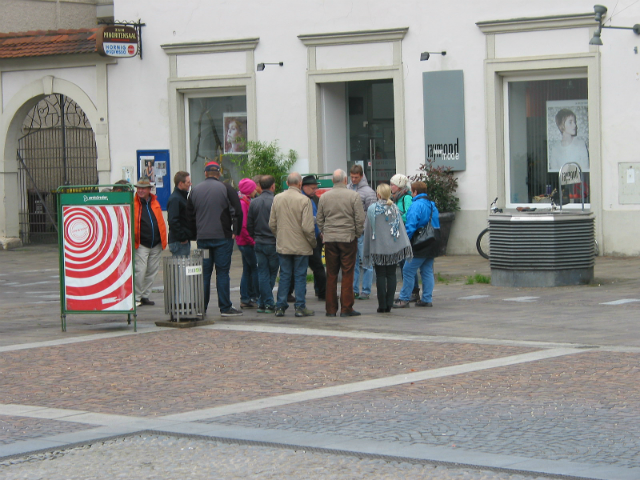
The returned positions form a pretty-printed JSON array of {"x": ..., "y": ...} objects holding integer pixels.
[{"x": 96, "y": 241}]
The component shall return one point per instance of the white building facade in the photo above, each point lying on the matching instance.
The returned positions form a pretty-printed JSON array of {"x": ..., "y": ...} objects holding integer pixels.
[{"x": 351, "y": 89}]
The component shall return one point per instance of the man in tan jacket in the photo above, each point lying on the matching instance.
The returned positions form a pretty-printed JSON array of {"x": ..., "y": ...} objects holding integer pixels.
[
  {"x": 292, "y": 224},
  {"x": 340, "y": 219}
]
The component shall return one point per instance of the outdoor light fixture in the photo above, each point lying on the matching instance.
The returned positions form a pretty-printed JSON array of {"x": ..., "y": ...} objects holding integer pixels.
[
  {"x": 600, "y": 12},
  {"x": 261, "y": 65},
  {"x": 425, "y": 55}
]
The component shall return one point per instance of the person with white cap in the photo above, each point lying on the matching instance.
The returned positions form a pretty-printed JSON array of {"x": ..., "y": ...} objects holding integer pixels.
[
  {"x": 150, "y": 239},
  {"x": 215, "y": 215},
  {"x": 401, "y": 196}
]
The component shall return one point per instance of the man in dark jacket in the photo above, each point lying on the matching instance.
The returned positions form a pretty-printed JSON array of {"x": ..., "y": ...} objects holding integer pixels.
[
  {"x": 309, "y": 188},
  {"x": 215, "y": 215},
  {"x": 179, "y": 231},
  {"x": 258, "y": 228}
]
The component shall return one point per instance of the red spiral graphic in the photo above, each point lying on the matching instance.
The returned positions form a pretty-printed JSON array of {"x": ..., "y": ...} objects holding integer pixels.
[{"x": 97, "y": 258}]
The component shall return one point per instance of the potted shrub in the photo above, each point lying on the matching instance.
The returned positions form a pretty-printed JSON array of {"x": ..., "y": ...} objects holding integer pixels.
[
  {"x": 441, "y": 188},
  {"x": 265, "y": 158}
]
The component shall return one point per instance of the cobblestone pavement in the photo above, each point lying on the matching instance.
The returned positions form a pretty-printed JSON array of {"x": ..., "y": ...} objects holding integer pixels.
[
  {"x": 551, "y": 409},
  {"x": 177, "y": 371},
  {"x": 542, "y": 381},
  {"x": 152, "y": 457}
]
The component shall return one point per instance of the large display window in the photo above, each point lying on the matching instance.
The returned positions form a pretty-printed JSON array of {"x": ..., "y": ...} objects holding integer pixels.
[{"x": 546, "y": 126}]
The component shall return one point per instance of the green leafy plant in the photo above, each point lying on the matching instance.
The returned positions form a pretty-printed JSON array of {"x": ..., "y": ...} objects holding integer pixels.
[
  {"x": 441, "y": 185},
  {"x": 265, "y": 158},
  {"x": 478, "y": 278}
]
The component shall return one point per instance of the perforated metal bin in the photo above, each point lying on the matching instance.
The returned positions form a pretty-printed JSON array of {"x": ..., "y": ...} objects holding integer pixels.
[{"x": 183, "y": 287}]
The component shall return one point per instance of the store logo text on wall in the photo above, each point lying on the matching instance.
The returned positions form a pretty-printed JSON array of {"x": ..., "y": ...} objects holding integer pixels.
[
  {"x": 117, "y": 41},
  {"x": 445, "y": 151}
]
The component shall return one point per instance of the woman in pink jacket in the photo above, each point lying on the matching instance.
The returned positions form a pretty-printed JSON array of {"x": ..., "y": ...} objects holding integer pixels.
[{"x": 249, "y": 283}]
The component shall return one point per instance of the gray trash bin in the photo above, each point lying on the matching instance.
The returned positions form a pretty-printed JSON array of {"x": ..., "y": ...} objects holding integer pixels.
[{"x": 183, "y": 287}]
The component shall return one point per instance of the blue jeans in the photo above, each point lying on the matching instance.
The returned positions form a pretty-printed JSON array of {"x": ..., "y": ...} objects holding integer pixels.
[
  {"x": 416, "y": 284},
  {"x": 409, "y": 274},
  {"x": 249, "y": 282},
  {"x": 292, "y": 268},
  {"x": 220, "y": 251},
  {"x": 367, "y": 276},
  {"x": 178, "y": 249},
  {"x": 268, "y": 265}
]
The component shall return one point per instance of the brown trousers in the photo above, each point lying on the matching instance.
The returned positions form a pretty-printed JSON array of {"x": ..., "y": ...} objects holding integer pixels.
[{"x": 340, "y": 255}]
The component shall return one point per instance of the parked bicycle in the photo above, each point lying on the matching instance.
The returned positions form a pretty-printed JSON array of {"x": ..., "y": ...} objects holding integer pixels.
[{"x": 482, "y": 243}]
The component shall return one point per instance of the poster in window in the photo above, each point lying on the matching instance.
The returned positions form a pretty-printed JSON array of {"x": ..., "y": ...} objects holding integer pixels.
[
  {"x": 235, "y": 132},
  {"x": 567, "y": 133}
]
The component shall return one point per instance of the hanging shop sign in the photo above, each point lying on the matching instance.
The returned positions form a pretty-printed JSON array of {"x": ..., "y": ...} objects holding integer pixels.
[{"x": 117, "y": 41}]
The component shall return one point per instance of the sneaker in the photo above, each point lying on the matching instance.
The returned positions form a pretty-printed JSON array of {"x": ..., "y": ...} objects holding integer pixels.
[
  {"x": 363, "y": 296},
  {"x": 415, "y": 296},
  {"x": 291, "y": 298},
  {"x": 279, "y": 312},
  {"x": 145, "y": 301},
  {"x": 304, "y": 312},
  {"x": 232, "y": 312},
  {"x": 356, "y": 295},
  {"x": 250, "y": 304},
  {"x": 420, "y": 303},
  {"x": 401, "y": 304},
  {"x": 267, "y": 309},
  {"x": 352, "y": 313},
  {"x": 329, "y": 314}
]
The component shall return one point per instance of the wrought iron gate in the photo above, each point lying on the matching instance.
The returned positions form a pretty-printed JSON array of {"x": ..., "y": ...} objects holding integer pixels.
[{"x": 57, "y": 147}]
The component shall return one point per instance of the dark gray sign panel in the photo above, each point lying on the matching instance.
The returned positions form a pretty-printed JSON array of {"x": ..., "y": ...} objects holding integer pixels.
[{"x": 444, "y": 119}]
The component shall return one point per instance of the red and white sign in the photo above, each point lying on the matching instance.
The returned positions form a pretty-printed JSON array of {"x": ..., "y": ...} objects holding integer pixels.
[{"x": 98, "y": 265}]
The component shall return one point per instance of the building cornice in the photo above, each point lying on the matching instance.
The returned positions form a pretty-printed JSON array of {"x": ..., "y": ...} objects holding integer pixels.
[
  {"x": 580, "y": 20},
  {"x": 218, "y": 46},
  {"x": 346, "y": 38}
]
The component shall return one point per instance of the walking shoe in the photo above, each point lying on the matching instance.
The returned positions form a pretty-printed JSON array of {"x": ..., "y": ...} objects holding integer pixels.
[
  {"x": 363, "y": 296},
  {"x": 279, "y": 312},
  {"x": 267, "y": 309},
  {"x": 401, "y": 304},
  {"x": 145, "y": 301},
  {"x": 352, "y": 313},
  {"x": 420, "y": 303},
  {"x": 304, "y": 312},
  {"x": 415, "y": 296},
  {"x": 329, "y": 314},
  {"x": 232, "y": 312},
  {"x": 356, "y": 295},
  {"x": 291, "y": 298},
  {"x": 248, "y": 305}
]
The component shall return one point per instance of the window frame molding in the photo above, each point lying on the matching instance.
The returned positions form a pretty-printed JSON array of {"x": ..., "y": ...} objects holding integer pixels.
[
  {"x": 316, "y": 77},
  {"x": 181, "y": 87}
]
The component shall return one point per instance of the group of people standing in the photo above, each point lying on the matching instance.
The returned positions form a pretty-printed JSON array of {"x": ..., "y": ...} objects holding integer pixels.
[{"x": 285, "y": 234}]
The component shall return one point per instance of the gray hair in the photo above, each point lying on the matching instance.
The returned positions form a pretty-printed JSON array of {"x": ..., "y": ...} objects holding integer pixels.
[
  {"x": 339, "y": 176},
  {"x": 294, "y": 178}
]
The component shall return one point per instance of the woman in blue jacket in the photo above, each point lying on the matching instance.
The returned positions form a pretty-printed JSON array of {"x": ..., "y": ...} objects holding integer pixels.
[{"x": 422, "y": 209}]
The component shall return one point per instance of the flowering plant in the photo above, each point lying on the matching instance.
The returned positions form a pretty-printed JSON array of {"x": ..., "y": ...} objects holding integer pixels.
[{"x": 441, "y": 185}]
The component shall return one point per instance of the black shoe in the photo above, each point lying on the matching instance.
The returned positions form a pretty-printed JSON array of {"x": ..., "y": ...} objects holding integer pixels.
[
  {"x": 352, "y": 313},
  {"x": 232, "y": 312},
  {"x": 291, "y": 298},
  {"x": 322, "y": 297},
  {"x": 420, "y": 303},
  {"x": 329, "y": 314},
  {"x": 145, "y": 301},
  {"x": 415, "y": 296},
  {"x": 381, "y": 310}
]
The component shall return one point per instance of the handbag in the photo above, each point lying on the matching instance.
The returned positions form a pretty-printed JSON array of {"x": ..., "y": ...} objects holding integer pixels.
[{"x": 426, "y": 240}]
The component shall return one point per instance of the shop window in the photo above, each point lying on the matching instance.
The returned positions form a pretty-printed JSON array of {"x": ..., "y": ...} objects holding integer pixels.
[
  {"x": 547, "y": 126},
  {"x": 216, "y": 130}
]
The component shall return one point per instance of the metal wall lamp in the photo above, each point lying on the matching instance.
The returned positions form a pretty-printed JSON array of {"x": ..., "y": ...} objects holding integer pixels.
[
  {"x": 601, "y": 10},
  {"x": 261, "y": 65},
  {"x": 425, "y": 55}
]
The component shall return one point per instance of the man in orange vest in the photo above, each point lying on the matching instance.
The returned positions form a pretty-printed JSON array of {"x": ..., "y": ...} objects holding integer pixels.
[{"x": 150, "y": 239}]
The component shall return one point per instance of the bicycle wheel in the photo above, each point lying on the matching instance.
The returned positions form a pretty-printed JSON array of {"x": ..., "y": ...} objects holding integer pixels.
[{"x": 482, "y": 243}]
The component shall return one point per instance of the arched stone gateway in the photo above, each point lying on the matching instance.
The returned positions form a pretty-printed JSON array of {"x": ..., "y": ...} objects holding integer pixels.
[
  {"x": 42, "y": 148},
  {"x": 56, "y": 147}
]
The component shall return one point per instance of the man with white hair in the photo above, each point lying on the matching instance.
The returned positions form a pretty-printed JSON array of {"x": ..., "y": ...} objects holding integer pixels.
[
  {"x": 291, "y": 222},
  {"x": 340, "y": 219}
]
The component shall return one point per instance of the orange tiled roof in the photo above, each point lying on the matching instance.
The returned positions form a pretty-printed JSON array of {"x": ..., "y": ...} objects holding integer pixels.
[{"x": 50, "y": 42}]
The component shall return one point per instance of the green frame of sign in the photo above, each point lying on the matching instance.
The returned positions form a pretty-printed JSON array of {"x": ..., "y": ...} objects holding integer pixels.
[{"x": 82, "y": 195}]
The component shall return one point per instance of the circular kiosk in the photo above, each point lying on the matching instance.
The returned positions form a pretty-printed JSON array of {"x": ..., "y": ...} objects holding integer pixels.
[{"x": 542, "y": 249}]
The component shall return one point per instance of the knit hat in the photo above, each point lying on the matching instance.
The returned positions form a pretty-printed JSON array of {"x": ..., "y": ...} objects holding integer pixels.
[
  {"x": 400, "y": 181},
  {"x": 247, "y": 186}
]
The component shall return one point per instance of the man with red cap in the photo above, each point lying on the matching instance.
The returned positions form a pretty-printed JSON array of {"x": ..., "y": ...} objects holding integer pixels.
[{"x": 215, "y": 215}]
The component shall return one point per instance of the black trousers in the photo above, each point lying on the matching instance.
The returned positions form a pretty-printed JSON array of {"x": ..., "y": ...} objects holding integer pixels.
[{"x": 386, "y": 283}]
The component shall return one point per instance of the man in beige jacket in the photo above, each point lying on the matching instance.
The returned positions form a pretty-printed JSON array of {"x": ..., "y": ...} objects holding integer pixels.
[
  {"x": 340, "y": 219},
  {"x": 292, "y": 224}
]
